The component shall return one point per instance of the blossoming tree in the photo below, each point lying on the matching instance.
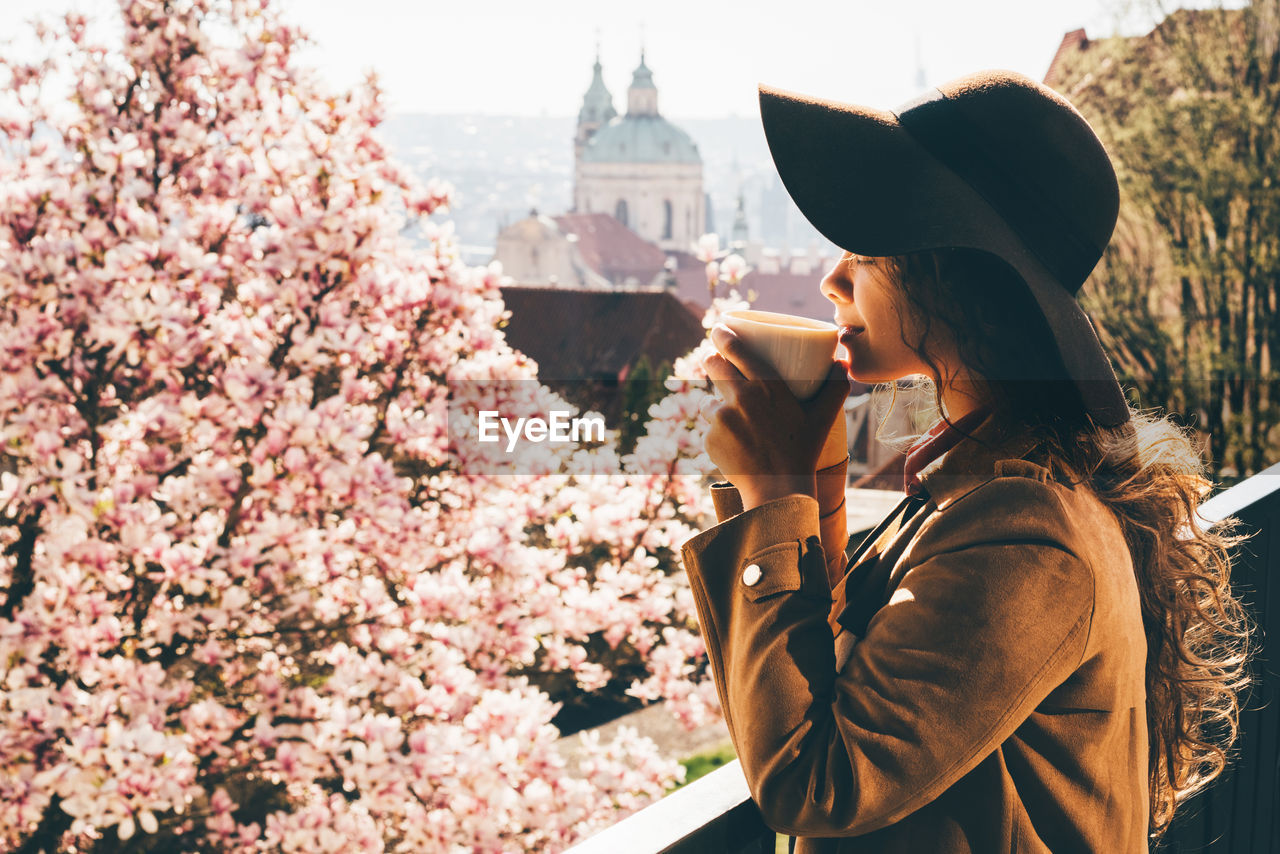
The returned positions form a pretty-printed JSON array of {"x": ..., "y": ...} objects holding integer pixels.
[{"x": 253, "y": 594}]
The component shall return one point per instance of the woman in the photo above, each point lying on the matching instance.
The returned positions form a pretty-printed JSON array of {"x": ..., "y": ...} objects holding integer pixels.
[{"x": 1035, "y": 651}]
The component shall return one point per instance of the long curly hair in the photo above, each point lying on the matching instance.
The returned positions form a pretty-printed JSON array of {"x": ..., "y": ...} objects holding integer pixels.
[{"x": 1148, "y": 472}]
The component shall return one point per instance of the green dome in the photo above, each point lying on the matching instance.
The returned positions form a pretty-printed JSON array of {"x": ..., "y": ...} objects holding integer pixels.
[{"x": 641, "y": 139}]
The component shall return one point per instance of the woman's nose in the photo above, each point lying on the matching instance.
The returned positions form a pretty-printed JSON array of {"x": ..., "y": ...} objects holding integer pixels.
[{"x": 836, "y": 285}]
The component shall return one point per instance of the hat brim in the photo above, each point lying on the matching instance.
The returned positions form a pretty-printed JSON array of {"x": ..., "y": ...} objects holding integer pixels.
[
  {"x": 860, "y": 178},
  {"x": 862, "y": 181}
]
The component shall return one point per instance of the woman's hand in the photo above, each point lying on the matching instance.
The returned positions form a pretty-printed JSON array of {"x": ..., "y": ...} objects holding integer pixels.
[{"x": 765, "y": 441}]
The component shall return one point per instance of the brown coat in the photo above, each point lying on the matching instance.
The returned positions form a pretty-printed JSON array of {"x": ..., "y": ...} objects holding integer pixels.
[{"x": 980, "y": 690}]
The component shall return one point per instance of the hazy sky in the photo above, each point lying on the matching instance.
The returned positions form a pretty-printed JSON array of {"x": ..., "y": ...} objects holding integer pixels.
[{"x": 529, "y": 58}]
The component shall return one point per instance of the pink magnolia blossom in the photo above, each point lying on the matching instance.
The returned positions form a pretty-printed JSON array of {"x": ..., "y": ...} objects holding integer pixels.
[
  {"x": 254, "y": 594},
  {"x": 733, "y": 268},
  {"x": 707, "y": 248}
]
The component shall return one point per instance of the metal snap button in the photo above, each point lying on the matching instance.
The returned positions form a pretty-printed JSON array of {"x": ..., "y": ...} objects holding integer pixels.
[{"x": 752, "y": 575}]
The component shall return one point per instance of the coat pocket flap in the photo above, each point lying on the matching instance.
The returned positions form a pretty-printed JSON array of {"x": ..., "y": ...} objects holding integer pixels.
[{"x": 772, "y": 570}]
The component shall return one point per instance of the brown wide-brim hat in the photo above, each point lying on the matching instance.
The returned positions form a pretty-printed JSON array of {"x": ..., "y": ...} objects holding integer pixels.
[{"x": 992, "y": 161}]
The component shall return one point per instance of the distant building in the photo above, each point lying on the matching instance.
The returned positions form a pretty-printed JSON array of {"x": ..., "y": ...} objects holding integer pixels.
[
  {"x": 591, "y": 251},
  {"x": 1072, "y": 42},
  {"x": 597, "y": 109},
  {"x": 775, "y": 205},
  {"x": 614, "y": 251},
  {"x": 535, "y": 251},
  {"x": 738, "y": 238},
  {"x": 638, "y": 167}
]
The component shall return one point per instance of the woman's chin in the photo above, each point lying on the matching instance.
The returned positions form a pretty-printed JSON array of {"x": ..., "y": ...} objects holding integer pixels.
[
  {"x": 867, "y": 376},
  {"x": 860, "y": 376}
]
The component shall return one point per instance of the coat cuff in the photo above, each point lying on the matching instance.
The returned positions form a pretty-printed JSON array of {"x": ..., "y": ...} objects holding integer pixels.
[
  {"x": 833, "y": 520},
  {"x": 831, "y": 484},
  {"x": 790, "y": 519},
  {"x": 727, "y": 500}
]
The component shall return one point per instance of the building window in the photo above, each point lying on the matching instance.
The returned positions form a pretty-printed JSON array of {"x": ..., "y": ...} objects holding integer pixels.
[
  {"x": 688, "y": 222},
  {"x": 620, "y": 213},
  {"x": 666, "y": 220}
]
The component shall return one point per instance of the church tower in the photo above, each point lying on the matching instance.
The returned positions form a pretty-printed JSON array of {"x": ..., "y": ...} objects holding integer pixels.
[
  {"x": 639, "y": 167},
  {"x": 642, "y": 96},
  {"x": 597, "y": 109}
]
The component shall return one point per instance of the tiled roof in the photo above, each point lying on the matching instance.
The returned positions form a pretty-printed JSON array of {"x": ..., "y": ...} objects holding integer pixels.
[
  {"x": 581, "y": 335},
  {"x": 611, "y": 249},
  {"x": 1072, "y": 41}
]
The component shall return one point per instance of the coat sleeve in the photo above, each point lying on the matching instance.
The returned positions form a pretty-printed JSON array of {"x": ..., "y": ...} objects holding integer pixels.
[
  {"x": 833, "y": 519},
  {"x": 991, "y": 614}
]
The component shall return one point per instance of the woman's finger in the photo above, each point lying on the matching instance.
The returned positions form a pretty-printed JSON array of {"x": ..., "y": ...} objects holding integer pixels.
[
  {"x": 707, "y": 408},
  {"x": 736, "y": 351},
  {"x": 727, "y": 379}
]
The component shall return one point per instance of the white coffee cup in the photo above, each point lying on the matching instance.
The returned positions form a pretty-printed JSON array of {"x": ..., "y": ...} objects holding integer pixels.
[{"x": 801, "y": 350}]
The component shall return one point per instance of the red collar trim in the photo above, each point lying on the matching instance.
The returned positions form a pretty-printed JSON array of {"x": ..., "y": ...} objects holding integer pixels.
[{"x": 939, "y": 439}]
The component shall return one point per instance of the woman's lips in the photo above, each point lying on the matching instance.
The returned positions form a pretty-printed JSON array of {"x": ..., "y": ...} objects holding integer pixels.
[{"x": 848, "y": 333}]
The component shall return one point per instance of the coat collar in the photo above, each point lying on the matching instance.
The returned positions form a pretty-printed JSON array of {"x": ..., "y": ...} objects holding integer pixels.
[
  {"x": 972, "y": 461},
  {"x": 935, "y": 442}
]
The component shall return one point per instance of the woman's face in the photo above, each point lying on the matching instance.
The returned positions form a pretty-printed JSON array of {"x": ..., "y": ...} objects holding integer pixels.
[{"x": 871, "y": 323}]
